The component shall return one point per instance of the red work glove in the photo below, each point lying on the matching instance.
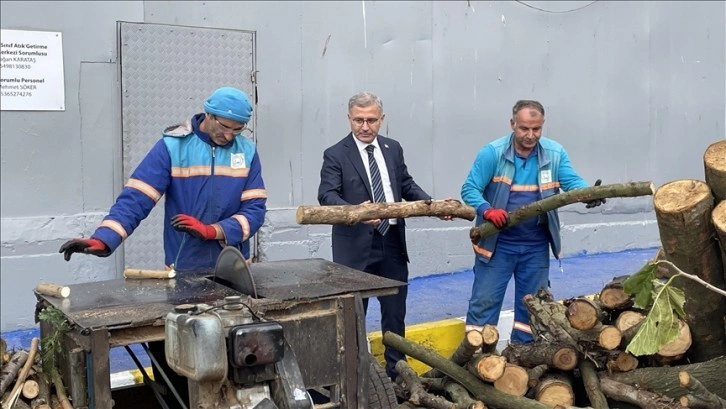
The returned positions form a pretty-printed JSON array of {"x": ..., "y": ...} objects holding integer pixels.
[
  {"x": 189, "y": 224},
  {"x": 87, "y": 246},
  {"x": 499, "y": 217}
]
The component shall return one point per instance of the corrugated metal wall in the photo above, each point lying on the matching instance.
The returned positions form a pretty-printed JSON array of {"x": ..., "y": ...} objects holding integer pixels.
[{"x": 634, "y": 90}]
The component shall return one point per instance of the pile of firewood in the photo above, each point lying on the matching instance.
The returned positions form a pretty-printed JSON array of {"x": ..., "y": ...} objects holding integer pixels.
[
  {"x": 24, "y": 385},
  {"x": 580, "y": 353}
]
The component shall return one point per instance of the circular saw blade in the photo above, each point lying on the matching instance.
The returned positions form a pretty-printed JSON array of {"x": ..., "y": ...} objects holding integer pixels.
[{"x": 232, "y": 270}]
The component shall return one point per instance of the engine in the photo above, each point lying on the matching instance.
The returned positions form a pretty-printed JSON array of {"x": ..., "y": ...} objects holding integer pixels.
[{"x": 232, "y": 358}]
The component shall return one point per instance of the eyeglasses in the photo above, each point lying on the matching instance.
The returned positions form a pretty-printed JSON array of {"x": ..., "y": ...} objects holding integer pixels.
[
  {"x": 227, "y": 129},
  {"x": 369, "y": 121}
]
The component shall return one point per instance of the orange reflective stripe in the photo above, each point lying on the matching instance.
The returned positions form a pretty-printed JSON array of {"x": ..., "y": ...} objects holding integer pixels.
[
  {"x": 525, "y": 188},
  {"x": 502, "y": 179},
  {"x": 242, "y": 220},
  {"x": 482, "y": 251},
  {"x": 254, "y": 194},
  {"x": 520, "y": 326},
  {"x": 227, "y": 171},
  {"x": 144, "y": 188},
  {"x": 115, "y": 226},
  {"x": 178, "y": 172},
  {"x": 553, "y": 185}
]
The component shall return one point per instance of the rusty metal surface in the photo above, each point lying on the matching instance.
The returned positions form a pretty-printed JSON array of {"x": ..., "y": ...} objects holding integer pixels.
[
  {"x": 314, "y": 278},
  {"x": 125, "y": 303}
]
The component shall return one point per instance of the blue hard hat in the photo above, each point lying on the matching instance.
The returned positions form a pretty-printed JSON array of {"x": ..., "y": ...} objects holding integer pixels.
[{"x": 229, "y": 103}]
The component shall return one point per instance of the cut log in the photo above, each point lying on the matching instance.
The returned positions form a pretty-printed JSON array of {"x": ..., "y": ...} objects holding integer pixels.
[
  {"x": 472, "y": 341},
  {"x": 60, "y": 390},
  {"x": 30, "y": 389},
  {"x": 43, "y": 392},
  {"x": 604, "y": 336},
  {"x": 714, "y": 162},
  {"x": 514, "y": 381},
  {"x": 461, "y": 396},
  {"x": 592, "y": 385},
  {"x": 547, "y": 319},
  {"x": 664, "y": 270},
  {"x": 639, "y": 397},
  {"x": 664, "y": 380},
  {"x": 622, "y": 362},
  {"x": 699, "y": 396},
  {"x": 613, "y": 296},
  {"x": 543, "y": 206},
  {"x": 535, "y": 374},
  {"x": 53, "y": 290},
  {"x": 489, "y": 338},
  {"x": 583, "y": 313},
  {"x": 419, "y": 396},
  {"x": 488, "y": 367},
  {"x": 555, "y": 389},
  {"x": 11, "y": 369},
  {"x": 680, "y": 345},
  {"x": 555, "y": 355},
  {"x": 352, "y": 214},
  {"x": 627, "y": 320},
  {"x": 683, "y": 212},
  {"x": 480, "y": 390},
  {"x": 718, "y": 218}
]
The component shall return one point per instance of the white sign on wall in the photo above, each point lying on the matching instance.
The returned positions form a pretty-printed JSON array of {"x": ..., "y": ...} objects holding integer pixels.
[{"x": 31, "y": 71}]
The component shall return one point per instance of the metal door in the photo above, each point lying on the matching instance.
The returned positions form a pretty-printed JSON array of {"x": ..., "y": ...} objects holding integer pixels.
[{"x": 167, "y": 72}]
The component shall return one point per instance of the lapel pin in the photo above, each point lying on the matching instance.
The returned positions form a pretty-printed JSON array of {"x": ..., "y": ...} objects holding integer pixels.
[{"x": 386, "y": 145}]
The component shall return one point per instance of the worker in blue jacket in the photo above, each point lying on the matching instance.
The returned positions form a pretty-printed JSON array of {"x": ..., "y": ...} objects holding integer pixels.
[
  {"x": 212, "y": 178},
  {"x": 508, "y": 173}
]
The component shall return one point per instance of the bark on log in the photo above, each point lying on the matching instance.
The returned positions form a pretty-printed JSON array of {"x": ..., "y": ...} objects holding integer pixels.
[
  {"x": 613, "y": 296},
  {"x": 461, "y": 396},
  {"x": 714, "y": 163},
  {"x": 554, "y": 355},
  {"x": 60, "y": 390},
  {"x": 53, "y": 290},
  {"x": 635, "y": 396},
  {"x": 555, "y": 389},
  {"x": 489, "y": 338},
  {"x": 592, "y": 385},
  {"x": 10, "y": 371},
  {"x": 480, "y": 390},
  {"x": 20, "y": 404},
  {"x": 488, "y": 367},
  {"x": 547, "y": 319},
  {"x": 699, "y": 396},
  {"x": 683, "y": 211},
  {"x": 463, "y": 353},
  {"x": 664, "y": 380},
  {"x": 583, "y": 313},
  {"x": 632, "y": 189},
  {"x": 606, "y": 337},
  {"x": 419, "y": 396},
  {"x": 535, "y": 374},
  {"x": 352, "y": 214},
  {"x": 718, "y": 218}
]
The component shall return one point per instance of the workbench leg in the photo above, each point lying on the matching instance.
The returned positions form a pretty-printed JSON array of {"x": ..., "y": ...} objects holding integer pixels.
[{"x": 100, "y": 377}]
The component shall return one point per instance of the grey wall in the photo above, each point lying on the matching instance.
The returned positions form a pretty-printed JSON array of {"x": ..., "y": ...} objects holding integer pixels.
[{"x": 634, "y": 90}]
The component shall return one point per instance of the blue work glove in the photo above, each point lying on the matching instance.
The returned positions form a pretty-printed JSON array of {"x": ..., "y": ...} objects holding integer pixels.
[
  {"x": 87, "y": 246},
  {"x": 597, "y": 202}
]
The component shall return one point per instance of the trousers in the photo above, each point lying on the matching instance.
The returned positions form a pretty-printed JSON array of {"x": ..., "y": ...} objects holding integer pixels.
[{"x": 530, "y": 267}]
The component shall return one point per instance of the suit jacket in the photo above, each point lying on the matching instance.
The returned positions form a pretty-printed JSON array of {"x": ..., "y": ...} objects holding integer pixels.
[{"x": 344, "y": 181}]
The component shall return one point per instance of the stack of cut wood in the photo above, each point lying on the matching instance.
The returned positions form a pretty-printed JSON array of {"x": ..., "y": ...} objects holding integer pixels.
[
  {"x": 24, "y": 385},
  {"x": 578, "y": 358}
]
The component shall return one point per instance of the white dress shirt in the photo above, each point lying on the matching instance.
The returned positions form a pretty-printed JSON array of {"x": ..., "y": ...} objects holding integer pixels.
[{"x": 382, "y": 169}]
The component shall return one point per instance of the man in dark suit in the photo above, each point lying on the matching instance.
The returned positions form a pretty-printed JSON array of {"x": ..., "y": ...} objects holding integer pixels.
[{"x": 367, "y": 167}]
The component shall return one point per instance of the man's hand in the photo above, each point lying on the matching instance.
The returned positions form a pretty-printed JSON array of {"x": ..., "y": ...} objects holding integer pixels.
[
  {"x": 447, "y": 218},
  {"x": 189, "y": 224},
  {"x": 596, "y": 202},
  {"x": 87, "y": 246},
  {"x": 499, "y": 217}
]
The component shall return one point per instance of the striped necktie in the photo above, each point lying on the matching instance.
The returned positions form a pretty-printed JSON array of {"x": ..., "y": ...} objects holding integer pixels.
[{"x": 377, "y": 187}]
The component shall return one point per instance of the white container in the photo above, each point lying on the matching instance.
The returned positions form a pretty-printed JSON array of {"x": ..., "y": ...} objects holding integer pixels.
[{"x": 195, "y": 346}]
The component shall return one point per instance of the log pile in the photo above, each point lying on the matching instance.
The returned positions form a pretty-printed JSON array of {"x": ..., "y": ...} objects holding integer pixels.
[{"x": 23, "y": 384}]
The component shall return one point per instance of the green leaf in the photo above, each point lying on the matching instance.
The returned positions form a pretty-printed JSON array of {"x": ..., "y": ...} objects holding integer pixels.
[
  {"x": 661, "y": 324},
  {"x": 641, "y": 285}
]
